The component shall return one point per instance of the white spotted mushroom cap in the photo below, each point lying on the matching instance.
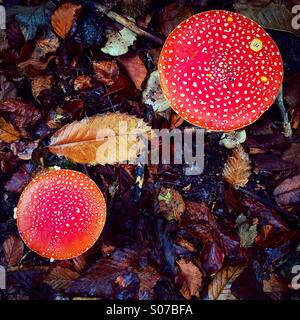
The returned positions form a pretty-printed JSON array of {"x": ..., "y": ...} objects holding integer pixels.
[
  {"x": 61, "y": 214},
  {"x": 220, "y": 70}
]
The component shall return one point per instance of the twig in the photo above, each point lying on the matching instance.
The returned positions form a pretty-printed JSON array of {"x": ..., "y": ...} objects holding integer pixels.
[
  {"x": 268, "y": 203},
  {"x": 127, "y": 23},
  {"x": 284, "y": 114}
]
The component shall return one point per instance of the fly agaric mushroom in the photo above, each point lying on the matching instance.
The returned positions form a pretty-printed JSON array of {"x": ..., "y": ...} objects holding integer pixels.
[
  {"x": 61, "y": 214},
  {"x": 220, "y": 70}
]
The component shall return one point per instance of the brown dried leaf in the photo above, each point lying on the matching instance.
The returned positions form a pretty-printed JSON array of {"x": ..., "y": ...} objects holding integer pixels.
[
  {"x": 13, "y": 250},
  {"x": 7, "y": 132},
  {"x": 237, "y": 169},
  {"x": 82, "y": 82},
  {"x": 94, "y": 140},
  {"x": 274, "y": 284},
  {"x": 171, "y": 203},
  {"x": 148, "y": 279},
  {"x": 288, "y": 192},
  {"x": 106, "y": 72},
  {"x": 135, "y": 68},
  {"x": 192, "y": 279},
  {"x": 60, "y": 278},
  {"x": 219, "y": 288},
  {"x": 63, "y": 18},
  {"x": 40, "y": 83}
]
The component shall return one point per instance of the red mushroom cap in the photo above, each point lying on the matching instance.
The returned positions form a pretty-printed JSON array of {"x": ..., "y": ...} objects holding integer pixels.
[
  {"x": 220, "y": 70},
  {"x": 61, "y": 214}
]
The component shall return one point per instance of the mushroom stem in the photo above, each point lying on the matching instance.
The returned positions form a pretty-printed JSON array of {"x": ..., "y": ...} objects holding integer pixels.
[
  {"x": 268, "y": 203},
  {"x": 284, "y": 114},
  {"x": 127, "y": 23}
]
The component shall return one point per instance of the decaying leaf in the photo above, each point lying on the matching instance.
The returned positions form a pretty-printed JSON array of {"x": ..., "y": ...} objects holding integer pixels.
[
  {"x": 274, "y": 16},
  {"x": 192, "y": 279},
  {"x": 7, "y": 132},
  {"x": 219, "y": 288},
  {"x": 40, "y": 83},
  {"x": 153, "y": 95},
  {"x": 60, "y": 278},
  {"x": 63, "y": 18},
  {"x": 247, "y": 232},
  {"x": 288, "y": 192},
  {"x": 237, "y": 169},
  {"x": 293, "y": 154},
  {"x": 171, "y": 203},
  {"x": 106, "y": 72},
  {"x": 118, "y": 42},
  {"x": 82, "y": 82},
  {"x": 135, "y": 68},
  {"x": 101, "y": 139},
  {"x": 13, "y": 250},
  {"x": 40, "y": 58}
]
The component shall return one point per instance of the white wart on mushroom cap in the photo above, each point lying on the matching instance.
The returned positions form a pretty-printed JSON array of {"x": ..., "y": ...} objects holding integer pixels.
[
  {"x": 220, "y": 70},
  {"x": 61, "y": 214}
]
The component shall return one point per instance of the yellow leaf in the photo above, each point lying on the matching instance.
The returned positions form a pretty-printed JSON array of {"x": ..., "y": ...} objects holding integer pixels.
[
  {"x": 7, "y": 132},
  {"x": 219, "y": 288},
  {"x": 237, "y": 169},
  {"x": 103, "y": 139}
]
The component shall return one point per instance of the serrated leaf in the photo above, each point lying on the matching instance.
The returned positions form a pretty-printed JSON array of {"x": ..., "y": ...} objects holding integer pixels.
[
  {"x": 7, "y": 132},
  {"x": 273, "y": 16},
  {"x": 13, "y": 250},
  {"x": 237, "y": 169},
  {"x": 60, "y": 278},
  {"x": 219, "y": 288},
  {"x": 101, "y": 139},
  {"x": 63, "y": 18}
]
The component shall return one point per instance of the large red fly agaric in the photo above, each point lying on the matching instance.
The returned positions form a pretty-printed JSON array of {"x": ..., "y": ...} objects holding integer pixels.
[
  {"x": 61, "y": 214},
  {"x": 220, "y": 70}
]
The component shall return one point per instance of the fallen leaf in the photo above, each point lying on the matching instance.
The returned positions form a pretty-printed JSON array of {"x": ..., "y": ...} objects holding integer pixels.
[
  {"x": 40, "y": 56},
  {"x": 192, "y": 279},
  {"x": 274, "y": 16},
  {"x": 270, "y": 162},
  {"x": 23, "y": 149},
  {"x": 237, "y": 168},
  {"x": 211, "y": 257},
  {"x": 7, "y": 89},
  {"x": 288, "y": 192},
  {"x": 13, "y": 250},
  {"x": 96, "y": 140},
  {"x": 63, "y": 18},
  {"x": 82, "y": 82},
  {"x": 40, "y": 83},
  {"x": 134, "y": 8},
  {"x": 247, "y": 232},
  {"x": 135, "y": 68},
  {"x": 118, "y": 42},
  {"x": 292, "y": 154},
  {"x": 7, "y": 132},
  {"x": 148, "y": 279},
  {"x": 106, "y": 72},
  {"x": 153, "y": 95},
  {"x": 171, "y": 203},
  {"x": 219, "y": 288},
  {"x": 274, "y": 284},
  {"x": 60, "y": 278}
]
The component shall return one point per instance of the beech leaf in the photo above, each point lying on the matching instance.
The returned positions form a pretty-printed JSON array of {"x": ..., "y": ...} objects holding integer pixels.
[
  {"x": 106, "y": 72},
  {"x": 219, "y": 288},
  {"x": 40, "y": 83},
  {"x": 7, "y": 132},
  {"x": 288, "y": 192},
  {"x": 96, "y": 140},
  {"x": 13, "y": 250},
  {"x": 60, "y": 278},
  {"x": 237, "y": 169}
]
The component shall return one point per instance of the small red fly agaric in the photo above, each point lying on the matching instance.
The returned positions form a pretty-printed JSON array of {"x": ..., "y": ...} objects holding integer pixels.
[
  {"x": 61, "y": 214},
  {"x": 220, "y": 70}
]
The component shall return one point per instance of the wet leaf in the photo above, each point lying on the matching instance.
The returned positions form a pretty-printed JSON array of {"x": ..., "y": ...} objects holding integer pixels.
[
  {"x": 13, "y": 250},
  {"x": 135, "y": 69},
  {"x": 192, "y": 279},
  {"x": 8, "y": 132},
  {"x": 118, "y": 42},
  {"x": 63, "y": 18},
  {"x": 106, "y": 72},
  {"x": 288, "y": 192},
  {"x": 148, "y": 279},
  {"x": 82, "y": 82},
  {"x": 171, "y": 203},
  {"x": 237, "y": 168},
  {"x": 96, "y": 140},
  {"x": 153, "y": 95},
  {"x": 60, "y": 278},
  {"x": 40, "y": 83},
  {"x": 219, "y": 288},
  {"x": 211, "y": 257}
]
